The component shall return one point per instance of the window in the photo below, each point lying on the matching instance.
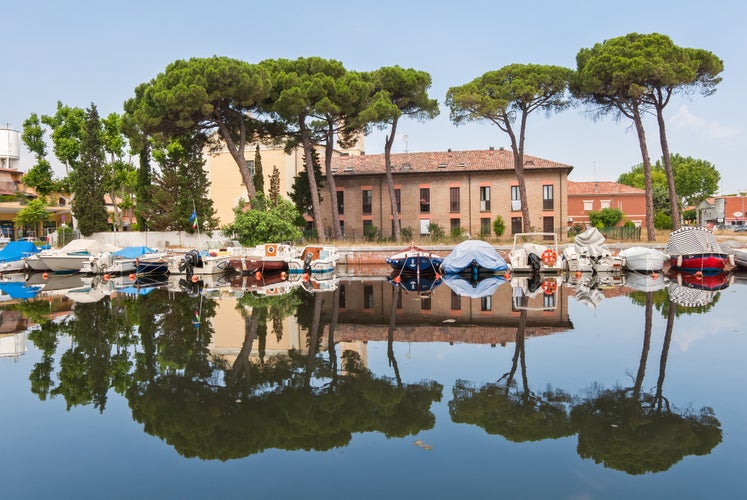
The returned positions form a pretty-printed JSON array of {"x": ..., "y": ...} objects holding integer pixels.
[
  {"x": 425, "y": 200},
  {"x": 456, "y": 301},
  {"x": 605, "y": 203},
  {"x": 368, "y": 297},
  {"x": 342, "y": 227},
  {"x": 484, "y": 198},
  {"x": 548, "y": 225},
  {"x": 424, "y": 223},
  {"x": 341, "y": 202},
  {"x": 486, "y": 303},
  {"x": 548, "y": 301},
  {"x": 425, "y": 303},
  {"x": 485, "y": 226},
  {"x": 342, "y": 297},
  {"x": 398, "y": 200},
  {"x": 367, "y": 199},
  {"x": 61, "y": 202},
  {"x": 515, "y": 198},
  {"x": 588, "y": 205},
  {"x": 454, "y": 225},
  {"x": 366, "y": 225},
  {"x": 454, "y": 199},
  {"x": 547, "y": 197},
  {"x": 516, "y": 225}
]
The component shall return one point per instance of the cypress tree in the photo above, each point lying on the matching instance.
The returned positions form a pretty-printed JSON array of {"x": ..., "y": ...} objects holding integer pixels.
[
  {"x": 259, "y": 177},
  {"x": 89, "y": 206}
]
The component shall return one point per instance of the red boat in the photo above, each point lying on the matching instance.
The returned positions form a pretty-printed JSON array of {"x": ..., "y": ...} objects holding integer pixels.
[{"x": 695, "y": 249}]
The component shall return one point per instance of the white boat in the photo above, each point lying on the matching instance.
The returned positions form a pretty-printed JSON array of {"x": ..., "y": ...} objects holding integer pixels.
[
  {"x": 12, "y": 255},
  {"x": 740, "y": 257},
  {"x": 643, "y": 259},
  {"x": 535, "y": 252},
  {"x": 195, "y": 262},
  {"x": 124, "y": 261},
  {"x": 589, "y": 253},
  {"x": 315, "y": 259},
  {"x": 69, "y": 258},
  {"x": 265, "y": 258}
]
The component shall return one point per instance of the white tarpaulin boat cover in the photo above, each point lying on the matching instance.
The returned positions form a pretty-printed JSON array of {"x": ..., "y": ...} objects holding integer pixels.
[
  {"x": 591, "y": 243},
  {"x": 478, "y": 251}
]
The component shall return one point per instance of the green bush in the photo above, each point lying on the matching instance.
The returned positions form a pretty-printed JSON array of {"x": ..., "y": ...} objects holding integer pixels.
[
  {"x": 406, "y": 233},
  {"x": 436, "y": 232},
  {"x": 370, "y": 233},
  {"x": 606, "y": 217},
  {"x": 499, "y": 226},
  {"x": 662, "y": 220},
  {"x": 575, "y": 229}
]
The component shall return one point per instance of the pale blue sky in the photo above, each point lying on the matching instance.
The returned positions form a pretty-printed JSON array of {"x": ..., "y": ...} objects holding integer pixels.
[{"x": 80, "y": 52}]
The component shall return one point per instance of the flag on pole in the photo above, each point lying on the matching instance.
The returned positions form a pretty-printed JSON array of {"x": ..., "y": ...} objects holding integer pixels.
[{"x": 193, "y": 219}]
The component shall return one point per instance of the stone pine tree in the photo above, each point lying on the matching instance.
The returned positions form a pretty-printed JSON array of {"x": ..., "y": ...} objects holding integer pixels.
[
  {"x": 89, "y": 206},
  {"x": 259, "y": 176},
  {"x": 274, "y": 193}
]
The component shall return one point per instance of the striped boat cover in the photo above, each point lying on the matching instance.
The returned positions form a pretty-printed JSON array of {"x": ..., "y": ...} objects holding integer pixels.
[
  {"x": 689, "y": 297},
  {"x": 692, "y": 240}
]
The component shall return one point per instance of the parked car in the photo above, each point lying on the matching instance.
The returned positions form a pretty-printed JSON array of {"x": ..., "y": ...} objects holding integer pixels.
[{"x": 741, "y": 229}]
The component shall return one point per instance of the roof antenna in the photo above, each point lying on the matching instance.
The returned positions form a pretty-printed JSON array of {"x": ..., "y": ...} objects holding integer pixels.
[{"x": 405, "y": 138}]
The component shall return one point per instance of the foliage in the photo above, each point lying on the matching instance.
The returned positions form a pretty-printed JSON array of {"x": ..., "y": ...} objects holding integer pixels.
[
  {"x": 274, "y": 194},
  {"x": 143, "y": 190},
  {"x": 262, "y": 225},
  {"x": 32, "y": 214},
  {"x": 300, "y": 191},
  {"x": 259, "y": 176},
  {"x": 576, "y": 229},
  {"x": 695, "y": 180},
  {"x": 181, "y": 188},
  {"x": 406, "y": 233},
  {"x": 690, "y": 215},
  {"x": 370, "y": 232},
  {"x": 607, "y": 217},
  {"x": 40, "y": 175},
  {"x": 88, "y": 178},
  {"x": 457, "y": 233},
  {"x": 67, "y": 126},
  {"x": 499, "y": 226},
  {"x": 662, "y": 220},
  {"x": 436, "y": 232}
]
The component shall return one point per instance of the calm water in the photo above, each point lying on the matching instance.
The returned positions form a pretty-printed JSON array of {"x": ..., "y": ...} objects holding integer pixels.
[{"x": 364, "y": 388}]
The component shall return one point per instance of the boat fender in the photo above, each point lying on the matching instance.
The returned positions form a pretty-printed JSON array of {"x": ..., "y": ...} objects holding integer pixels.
[
  {"x": 679, "y": 261},
  {"x": 679, "y": 279},
  {"x": 731, "y": 259}
]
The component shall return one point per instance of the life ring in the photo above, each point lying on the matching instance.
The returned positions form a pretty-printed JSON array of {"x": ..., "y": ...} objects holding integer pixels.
[
  {"x": 549, "y": 287},
  {"x": 271, "y": 250},
  {"x": 549, "y": 257}
]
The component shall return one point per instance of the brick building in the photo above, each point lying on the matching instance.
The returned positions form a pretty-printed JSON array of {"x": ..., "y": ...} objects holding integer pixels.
[
  {"x": 584, "y": 197},
  {"x": 455, "y": 189}
]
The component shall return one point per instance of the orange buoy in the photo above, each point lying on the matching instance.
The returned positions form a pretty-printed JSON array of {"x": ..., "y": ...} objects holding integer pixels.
[
  {"x": 507, "y": 275},
  {"x": 698, "y": 275},
  {"x": 306, "y": 276},
  {"x": 45, "y": 275},
  {"x": 283, "y": 275},
  {"x": 106, "y": 277},
  {"x": 578, "y": 274},
  {"x": 258, "y": 276},
  {"x": 438, "y": 276},
  {"x": 194, "y": 278},
  {"x": 132, "y": 276},
  {"x": 654, "y": 275},
  {"x": 396, "y": 279}
]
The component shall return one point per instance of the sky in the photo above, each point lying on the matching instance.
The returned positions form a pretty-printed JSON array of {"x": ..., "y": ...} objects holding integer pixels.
[{"x": 83, "y": 52}]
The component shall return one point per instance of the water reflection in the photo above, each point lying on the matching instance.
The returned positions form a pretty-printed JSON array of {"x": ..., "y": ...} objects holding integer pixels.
[{"x": 227, "y": 367}]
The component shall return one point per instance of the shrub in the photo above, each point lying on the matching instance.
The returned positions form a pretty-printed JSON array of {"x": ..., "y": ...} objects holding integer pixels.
[
  {"x": 606, "y": 217},
  {"x": 436, "y": 232},
  {"x": 499, "y": 226},
  {"x": 575, "y": 229},
  {"x": 406, "y": 233},
  {"x": 662, "y": 220},
  {"x": 370, "y": 233}
]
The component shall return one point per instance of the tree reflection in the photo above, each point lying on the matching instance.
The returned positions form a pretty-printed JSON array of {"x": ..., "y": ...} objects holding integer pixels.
[
  {"x": 637, "y": 432},
  {"x": 515, "y": 413}
]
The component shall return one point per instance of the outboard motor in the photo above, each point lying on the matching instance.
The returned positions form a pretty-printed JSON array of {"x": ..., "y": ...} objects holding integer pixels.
[
  {"x": 535, "y": 262},
  {"x": 307, "y": 262},
  {"x": 189, "y": 262}
]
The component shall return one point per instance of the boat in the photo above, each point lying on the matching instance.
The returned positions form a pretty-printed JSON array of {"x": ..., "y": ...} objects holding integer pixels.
[
  {"x": 314, "y": 259},
  {"x": 535, "y": 252},
  {"x": 268, "y": 257},
  {"x": 646, "y": 282},
  {"x": 484, "y": 286},
  {"x": 123, "y": 261},
  {"x": 589, "y": 253},
  {"x": 534, "y": 292},
  {"x": 475, "y": 257},
  {"x": 695, "y": 249},
  {"x": 415, "y": 260},
  {"x": 70, "y": 258},
  {"x": 697, "y": 290},
  {"x": 422, "y": 284},
  {"x": 740, "y": 258},
  {"x": 196, "y": 262},
  {"x": 18, "y": 290},
  {"x": 12, "y": 255},
  {"x": 643, "y": 259}
]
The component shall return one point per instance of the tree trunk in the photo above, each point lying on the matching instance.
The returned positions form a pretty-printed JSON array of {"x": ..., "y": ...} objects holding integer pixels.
[
  {"x": 331, "y": 185},
  {"x": 518, "y": 150},
  {"x": 646, "y": 343},
  {"x": 390, "y": 337},
  {"x": 316, "y": 211},
  {"x": 238, "y": 153},
  {"x": 650, "y": 231},
  {"x": 673, "y": 199},
  {"x": 665, "y": 354},
  {"x": 390, "y": 182}
]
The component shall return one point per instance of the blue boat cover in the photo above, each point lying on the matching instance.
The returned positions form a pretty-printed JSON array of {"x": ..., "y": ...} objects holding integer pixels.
[
  {"x": 133, "y": 252},
  {"x": 16, "y": 250},
  {"x": 19, "y": 289},
  {"x": 479, "y": 251},
  {"x": 484, "y": 287}
]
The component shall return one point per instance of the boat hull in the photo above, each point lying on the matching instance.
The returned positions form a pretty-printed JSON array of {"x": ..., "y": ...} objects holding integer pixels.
[
  {"x": 703, "y": 262},
  {"x": 415, "y": 263}
]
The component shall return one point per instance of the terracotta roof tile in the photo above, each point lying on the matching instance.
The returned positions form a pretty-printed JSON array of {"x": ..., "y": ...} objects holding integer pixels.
[
  {"x": 601, "y": 187},
  {"x": 448, "y": 161}
]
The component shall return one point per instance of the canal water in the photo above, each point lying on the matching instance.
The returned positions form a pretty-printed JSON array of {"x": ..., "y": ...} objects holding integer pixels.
[{"x": 581, "y": 387}]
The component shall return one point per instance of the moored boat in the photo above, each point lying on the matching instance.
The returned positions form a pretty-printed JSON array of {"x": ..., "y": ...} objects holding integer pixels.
[
  {"x": 535, "y": 252},
  {"x": 12, "y": 255},
  {"x": 415, "y": 260},
  {"x": 695, "y": 249},
  {"x": 589, "y": 253},
  {"x": 123, "y": 261},
  {"x": 643, "y": 259},
  {"x": 475, "y": 257},
  {"x": 268, "y": 257}
]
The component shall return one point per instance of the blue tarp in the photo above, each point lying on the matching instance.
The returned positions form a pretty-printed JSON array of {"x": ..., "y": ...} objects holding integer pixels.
[
  {"x": 480, "y": 252},
  {"x": 16, "y": 250},
  {"x": 133, "y": 252},
  {"x": 19, "y": 289}
]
